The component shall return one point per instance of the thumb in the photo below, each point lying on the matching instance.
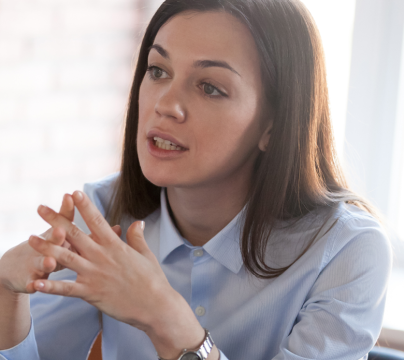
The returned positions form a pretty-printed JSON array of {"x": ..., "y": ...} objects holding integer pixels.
[{"x": 135, "y": 238}]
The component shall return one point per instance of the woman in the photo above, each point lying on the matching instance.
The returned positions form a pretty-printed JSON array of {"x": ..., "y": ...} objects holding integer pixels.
[{"x": 249, "y": 229}]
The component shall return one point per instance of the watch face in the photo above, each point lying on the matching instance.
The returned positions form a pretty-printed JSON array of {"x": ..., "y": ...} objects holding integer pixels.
[{"x": 190, "y": 356}]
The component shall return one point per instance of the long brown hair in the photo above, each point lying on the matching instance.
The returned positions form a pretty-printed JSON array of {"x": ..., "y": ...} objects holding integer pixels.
[{"x": 299, "y": 171}]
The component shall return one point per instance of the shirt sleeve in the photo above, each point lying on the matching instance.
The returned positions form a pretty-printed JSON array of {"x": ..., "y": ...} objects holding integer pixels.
[
  {"x": 341, "y": 318},
  {"x": 27, "y": 349}
]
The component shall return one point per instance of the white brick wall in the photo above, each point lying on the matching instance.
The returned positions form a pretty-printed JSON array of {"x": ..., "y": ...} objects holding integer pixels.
[{"x": 65, "y": 71}]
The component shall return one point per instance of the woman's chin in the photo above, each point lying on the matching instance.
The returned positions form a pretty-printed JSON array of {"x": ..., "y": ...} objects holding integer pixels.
[{"x": 161, "y": 180}]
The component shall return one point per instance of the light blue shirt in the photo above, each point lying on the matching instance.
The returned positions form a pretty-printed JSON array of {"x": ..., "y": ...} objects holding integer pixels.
[{"x": 328, "y": 305}]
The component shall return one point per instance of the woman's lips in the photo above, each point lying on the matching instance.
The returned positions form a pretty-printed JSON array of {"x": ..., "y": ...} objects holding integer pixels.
[
  {"x": 153, "y": 133},
  {"x": 162, "y": 153}
]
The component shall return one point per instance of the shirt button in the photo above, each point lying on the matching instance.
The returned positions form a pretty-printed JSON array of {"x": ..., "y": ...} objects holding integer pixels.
[
  {"x": 200, "y": 311},
  {"x": 198, "y": 252}
]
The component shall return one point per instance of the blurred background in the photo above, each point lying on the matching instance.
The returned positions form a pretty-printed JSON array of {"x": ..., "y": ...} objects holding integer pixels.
[{"x": 66, "y": 68}]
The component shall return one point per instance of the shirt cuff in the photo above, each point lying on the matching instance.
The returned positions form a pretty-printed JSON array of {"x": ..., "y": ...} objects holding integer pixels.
[
  {"x": 222, "y": 356},
  {"x": 26, "y": 349}
]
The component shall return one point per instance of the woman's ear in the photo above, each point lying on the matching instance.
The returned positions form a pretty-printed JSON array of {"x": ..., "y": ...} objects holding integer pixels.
[{"x": 264, "y": 140}]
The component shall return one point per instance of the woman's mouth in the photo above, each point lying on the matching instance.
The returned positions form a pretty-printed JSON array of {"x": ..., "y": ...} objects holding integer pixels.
[
  {"x": 166, "y": 144},
  {"x": 164, "y": 149}
]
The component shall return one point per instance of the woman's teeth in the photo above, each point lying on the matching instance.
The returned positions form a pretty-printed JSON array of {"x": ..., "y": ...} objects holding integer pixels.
[{"x": 166, "y": 144}]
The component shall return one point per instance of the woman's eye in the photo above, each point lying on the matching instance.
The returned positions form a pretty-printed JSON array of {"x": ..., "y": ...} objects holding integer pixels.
[
  {"x": 209, "y": 90},
  {"x": 155, "y": 72}
]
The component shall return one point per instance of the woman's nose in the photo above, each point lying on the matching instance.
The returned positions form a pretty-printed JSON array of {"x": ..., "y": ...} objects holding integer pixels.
[{"x": 170, "y": 103}]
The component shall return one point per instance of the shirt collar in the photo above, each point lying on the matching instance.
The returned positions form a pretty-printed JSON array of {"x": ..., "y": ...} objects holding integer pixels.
[{"x": 224, "y": 247}]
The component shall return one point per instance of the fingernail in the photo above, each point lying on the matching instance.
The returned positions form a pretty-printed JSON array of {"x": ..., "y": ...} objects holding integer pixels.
[
  {"x": 141, "y": 225},
  {"x": 79, "y": 195},
  {"x": 43, "y": 209},
  {"x": 41, "y": 285}
]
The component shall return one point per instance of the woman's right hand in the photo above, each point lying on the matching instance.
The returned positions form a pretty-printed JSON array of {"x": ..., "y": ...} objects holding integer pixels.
[{"x": 21, "y": 265}]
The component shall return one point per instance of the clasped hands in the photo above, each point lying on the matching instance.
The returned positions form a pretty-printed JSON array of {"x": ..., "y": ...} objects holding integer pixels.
[{"x": 123, "y": 280}]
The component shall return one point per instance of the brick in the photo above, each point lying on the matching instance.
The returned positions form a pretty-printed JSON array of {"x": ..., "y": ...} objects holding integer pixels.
[
  {"x": 83, "y": 3},
  {"x": 17, "y": 197},
  {"x": 26, "y": 23},
  {"x": 83, "y": 76},
  {"x": 63, "y": 49},
  {"x": 16, "y": 140},
  {"x": 122, "y": 77},
  {"x": 102, "y": 166},
  {"x": 17, "y": 231},
  {"x": 77, "y": 137},
  {"x": 55, "y": 191},
  {"x": 106, "y": 48},
  {"x": 47, "y": 167},
  {"x": 25, "y": 78},
  {"x": 65, "y": 70},
  {"x": 8, "y": 110},
  {"x": 6, "y": 172},
  {"x": 107, "y": 106},
  {"x": 97, "y": 20},
  {"x": 114, "y": 47},
  {"x": 119, "y": 2},
  {"x": 150, "y": 7},
  {"x": 11, "y": 50},
  {"x": 51, "y": 108}
]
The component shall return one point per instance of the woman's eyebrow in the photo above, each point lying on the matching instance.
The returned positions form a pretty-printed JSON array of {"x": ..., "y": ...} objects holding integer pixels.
[{"x": 198, "y": 63}]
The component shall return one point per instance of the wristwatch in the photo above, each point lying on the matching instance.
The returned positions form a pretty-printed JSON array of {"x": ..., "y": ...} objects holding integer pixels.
[{"x": 199, "y": 354}]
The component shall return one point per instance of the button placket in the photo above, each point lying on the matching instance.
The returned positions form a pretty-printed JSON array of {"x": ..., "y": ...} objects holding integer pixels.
[{"x": 201, "y": 283}]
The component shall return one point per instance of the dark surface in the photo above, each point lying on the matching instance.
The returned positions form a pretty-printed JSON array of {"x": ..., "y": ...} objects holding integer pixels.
[{"x": 381, "y": 353}]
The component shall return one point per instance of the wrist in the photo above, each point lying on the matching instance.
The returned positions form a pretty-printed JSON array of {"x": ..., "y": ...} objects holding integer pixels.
[
  {"x": 206, "y": 350},
  {"x": 7, "y": 293},
  {"x": 15, "y": 319},
  {"x": 175, "y": 329}
]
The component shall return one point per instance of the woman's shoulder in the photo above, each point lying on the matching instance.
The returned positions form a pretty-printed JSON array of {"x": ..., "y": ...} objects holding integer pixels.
[
  {"x": 344, "y": 230},
  {"x": 358, "y": 234},
  {"x": 101, "y": 191}
]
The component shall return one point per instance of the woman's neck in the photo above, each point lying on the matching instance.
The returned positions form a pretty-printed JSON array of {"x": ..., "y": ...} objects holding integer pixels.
[{"x": 199, "y": 214}]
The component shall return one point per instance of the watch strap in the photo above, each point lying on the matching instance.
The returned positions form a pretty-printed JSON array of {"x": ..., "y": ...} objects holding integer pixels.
[
  {"x": 206, "y": 347},
  {"x": 203, "y": 351}
]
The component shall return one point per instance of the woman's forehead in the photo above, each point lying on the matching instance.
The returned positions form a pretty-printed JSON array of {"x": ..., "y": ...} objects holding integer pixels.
[{"x": 209, "y": 35}]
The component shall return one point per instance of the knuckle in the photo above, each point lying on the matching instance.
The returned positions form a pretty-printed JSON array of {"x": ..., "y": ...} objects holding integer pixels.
[
  {"x": 74, "y": 232},
  {"x": 55, "y": 231},
  {"x": 52, "y": 215},
  {"x": 67, "y": 288},
  {"x": 68, "y": 257},
  {"x": 42, "y": 245},
  {"x": 155, "y": 288},
  {"x": 50, "y": 287},
  {"x": 97, "y": 220},
  {"x": 45, "y": 267}
]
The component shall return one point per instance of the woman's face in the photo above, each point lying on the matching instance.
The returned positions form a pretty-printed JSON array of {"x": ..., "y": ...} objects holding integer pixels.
[{"x": 203, "y": 91}]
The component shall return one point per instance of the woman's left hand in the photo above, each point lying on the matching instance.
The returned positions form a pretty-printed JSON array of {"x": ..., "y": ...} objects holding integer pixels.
[{"x": 124, "y": 281}]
